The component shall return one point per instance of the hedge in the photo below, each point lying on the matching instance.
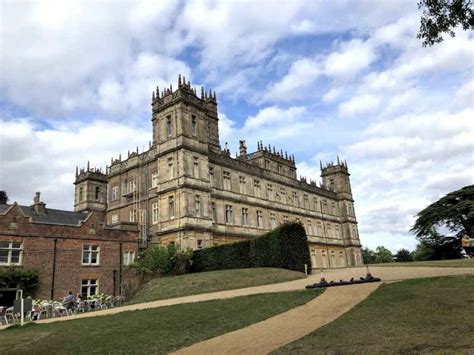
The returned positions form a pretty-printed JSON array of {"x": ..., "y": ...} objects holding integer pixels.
[
  {"x": 284, "y": 247},
  {"x": 12, "y": 277}
]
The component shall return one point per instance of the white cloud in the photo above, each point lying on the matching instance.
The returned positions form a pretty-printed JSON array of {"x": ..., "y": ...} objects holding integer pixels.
[{"x": 359, "y": 105}]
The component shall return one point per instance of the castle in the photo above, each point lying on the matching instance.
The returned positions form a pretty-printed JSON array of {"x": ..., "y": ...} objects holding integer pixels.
[{"x": 186, "y": 190}]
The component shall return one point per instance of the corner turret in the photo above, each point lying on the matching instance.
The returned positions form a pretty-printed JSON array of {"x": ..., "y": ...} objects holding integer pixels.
[{"x": 91, "y": 190}]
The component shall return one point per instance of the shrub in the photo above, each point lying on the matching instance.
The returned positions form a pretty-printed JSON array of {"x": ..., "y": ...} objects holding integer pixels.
[
  {"x": 27, "y": 280},
  {"x": 284, "y": 247},
  {"x": 160, "y": 260}
]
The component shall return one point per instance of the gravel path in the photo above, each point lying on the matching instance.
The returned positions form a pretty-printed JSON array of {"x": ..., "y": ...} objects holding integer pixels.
[{"x": 385, "y": 273}]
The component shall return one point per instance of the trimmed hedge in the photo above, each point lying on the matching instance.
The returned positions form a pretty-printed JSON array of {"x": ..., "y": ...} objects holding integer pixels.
[{"x": 284, "y": 247}]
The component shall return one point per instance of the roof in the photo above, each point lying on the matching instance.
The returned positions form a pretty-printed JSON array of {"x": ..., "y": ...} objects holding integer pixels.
[{"x": 52, "y": 216}]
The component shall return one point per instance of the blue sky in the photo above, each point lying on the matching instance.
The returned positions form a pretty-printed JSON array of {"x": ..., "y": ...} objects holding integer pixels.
[{"x": 315, "y": 78}]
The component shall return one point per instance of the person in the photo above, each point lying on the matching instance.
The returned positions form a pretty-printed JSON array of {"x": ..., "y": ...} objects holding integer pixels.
[
  {"x": 69, "y": 300},
  {"x": 466, "y": 244}
]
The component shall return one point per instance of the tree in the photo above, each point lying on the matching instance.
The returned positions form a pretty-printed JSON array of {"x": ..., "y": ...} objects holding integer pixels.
[
  {"x": 383, "y": 255},
  {"x": 403, "y": 255},
  {"x": 455, "y": 211},
  {"x": 438, "y": 247},
  {"x": 368, "y": 255},
  {"x": 443, "y": 16},
  {"x": 3, "y": 197}
]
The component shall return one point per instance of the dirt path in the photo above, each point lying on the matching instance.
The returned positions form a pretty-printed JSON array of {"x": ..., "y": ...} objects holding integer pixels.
[
  {"x": 385, "y": 273},
  {"x": 272, "y": 333}
]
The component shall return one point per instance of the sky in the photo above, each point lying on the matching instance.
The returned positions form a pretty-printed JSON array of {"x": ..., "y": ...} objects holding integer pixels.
[{"x": 315, "y": 78}]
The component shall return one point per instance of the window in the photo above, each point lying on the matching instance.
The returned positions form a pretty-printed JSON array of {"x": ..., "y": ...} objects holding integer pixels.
[
  {"x": 305, "y": 202},
  {"x": 155, "y": 213},
  {"x": 309, "y": 227},
  {"x": 259, "y": 219},
  {"x": 336, "y": 232},
  {"x": 245, "y": 216},
  {"x": 349, "y": 206},
  {"x": 133, "y": 215},
  {"x": 272, "y": 220},
  {"x": 329, "y": 230},
  {"x": 325, "y": 206},
  {"x": 269, "y": 191},
  {"x": 132, "y": 185},
  {"x": 97, "y": 193},
  {"x": 171, "y": 206},
  {"x": 211, "y": 176},
  {"x": 89, "y": 287},
  {"x": 169, "y": 126},
  {"x": 296, "y": 201},
  {"x": 315, "y": 204},
  {"x": 114, "y": 218},
  {"x": 283, "y": 195},
  {"x": 154, "y": 179},
  {"x": 196, "y": 167},
  {"x": 267, "y": 164},
  {"x": 280, "y": 168},
  {"x": 319, "y": 229},
  {"x": 214, "y": 212},
  {"x": 128, "y": 257},
  {"x": 334, "y": 208},
  {"x": 115, "y": 193},
  {"x": 81, "y": 194},
  {"x": 229, "y": 217},
  {"x": 285, "y": 219},
  {"x": 199, "y": 244},
  {"x": 90, "y": 254},
  {"x": 11, "y": 253},
  {"x": 242, "y": 185},
  {"x": 226, "y": 178},
  {"x": 193, "y": 125},
  {"x": 197, "y": 201},
  {"x": 170, "y": 168},
  {"x": 256, "y": 188}
]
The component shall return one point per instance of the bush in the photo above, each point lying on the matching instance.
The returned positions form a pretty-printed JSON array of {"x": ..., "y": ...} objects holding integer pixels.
[
  {"x": 27, "y": 280},
  {"x": 284, "y": 247},
  {"x": 160, "y": 260}
]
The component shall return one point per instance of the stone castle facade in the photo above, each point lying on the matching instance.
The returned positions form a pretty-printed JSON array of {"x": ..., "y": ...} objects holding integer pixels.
[{"x": 185, "y": 189}]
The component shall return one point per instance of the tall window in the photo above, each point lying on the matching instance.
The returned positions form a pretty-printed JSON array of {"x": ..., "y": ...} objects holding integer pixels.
[
  {"x": 128, "y": 257},
  {"x": 283, "y": 194},
  {"x": 280, "y": 168},
  {"x": 90, "y": 254},
  {"x": 226, "y": 179},
  {"x": 267, "y": 164},
  {"x": 211, "y": 176},
  {"x": 259, "y": 219},
  {"x": 115, "y": 193},
  {"x": 315, "y": 204},
  {"x": 319, "y": 229},
  {"x": 132, "y": 185},
  {"x": 199, "y": 244},
  {"x": 256, "y": 188},
  {"x": 245, "y": 216},
  {"x": 214, "y": 211},
  {"x": 305, "y": 202},
  {"x": 197, "y": 204},
  {"x": 325, "y": 206},
  {"x": 334, "y": 208},
  {"x": 273, "y": 222},
  {"x": 229, "y": 217},
  {"x": 81, "y": 194},
  {"x": 296, "y": 201},
  {"x": 97, "y": 193},
  {"x": 11, "y": 253},
  {"x": 193, "y": 125},
  {"x": 89, "y": 287},
  {"x": 337, "y": 231},
  {"x": 171, "y": 210},
  {"x": 170, "y": 168},
  {"x": 154, "y": 179},
  {"x": 242, "y": 185},
  {"x": 115, "y": 218},
  {"x": 269, "y": 191},
  {"x": 133, "y": 216},
  {"x": 196, "y": 167},
  {"x": 169, "y": 126},
  {"x": 155, "y": 214},
  {"x": 309, "y": 227}
]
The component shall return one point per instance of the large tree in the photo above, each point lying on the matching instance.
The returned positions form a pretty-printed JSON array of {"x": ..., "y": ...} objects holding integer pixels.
[
  {"x": 454, "y": 211},
  {"x": 443, "y": 16}
]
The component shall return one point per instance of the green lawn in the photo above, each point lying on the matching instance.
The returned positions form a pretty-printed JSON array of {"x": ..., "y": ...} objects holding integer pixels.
[
  {"x": 157, "y": 330},
  {"x": 437, "y": 263},
  {"x": 204, "y": 282},
  {"x": 414, "y": 316}
]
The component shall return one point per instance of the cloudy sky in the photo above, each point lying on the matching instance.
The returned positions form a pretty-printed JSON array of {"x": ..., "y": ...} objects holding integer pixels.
[{"x": 315, "y": 78}]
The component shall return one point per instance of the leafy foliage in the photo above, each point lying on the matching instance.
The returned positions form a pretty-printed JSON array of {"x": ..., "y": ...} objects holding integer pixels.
[
  {"x": 161, "y": 260},
  {"x": 455, "y": 211},
  {"x": 443, "y": 16},
  {"x": 284, "y": 247},
  {"x": 28, "y": 280},
  {"x": 380, "y": 255},
  {"x": 403, "y": 255},
  {"x": 437, "y": 247}
]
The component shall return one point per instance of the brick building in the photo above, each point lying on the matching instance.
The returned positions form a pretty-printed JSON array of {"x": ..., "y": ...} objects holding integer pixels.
[
  {"x": 73, "y": 251},
  {"x": 185, "y": 189}
]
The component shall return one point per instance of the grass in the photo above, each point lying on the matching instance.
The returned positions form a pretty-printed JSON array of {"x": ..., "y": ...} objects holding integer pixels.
[
  {"x": 157, "y": 330},
  {"x": 414, "y": 316},
  {"x": 434, "y": 263},
  {"x": 204, "y": 282}
]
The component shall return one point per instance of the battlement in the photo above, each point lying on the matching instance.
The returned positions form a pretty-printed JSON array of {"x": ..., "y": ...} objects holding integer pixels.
[
  {"x": 334, "y": 168},
  {"x": 89, "y": 173},
  {"x": 185, "y": 91},
  {"x": 273, "y": 154}
]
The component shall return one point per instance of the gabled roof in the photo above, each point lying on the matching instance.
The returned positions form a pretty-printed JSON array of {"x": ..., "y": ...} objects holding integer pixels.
[{"x": 52, "y": 216}]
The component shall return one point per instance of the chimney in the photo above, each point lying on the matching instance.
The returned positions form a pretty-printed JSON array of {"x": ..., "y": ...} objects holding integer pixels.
[
  {"x": 38, "y": 206},
  {"x": 242, "y": 149}
]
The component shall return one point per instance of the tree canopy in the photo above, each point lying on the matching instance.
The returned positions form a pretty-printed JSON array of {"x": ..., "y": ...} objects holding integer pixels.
[
  {"x": 443, "y": 16},
  {"x": 455, "y": 211}
]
